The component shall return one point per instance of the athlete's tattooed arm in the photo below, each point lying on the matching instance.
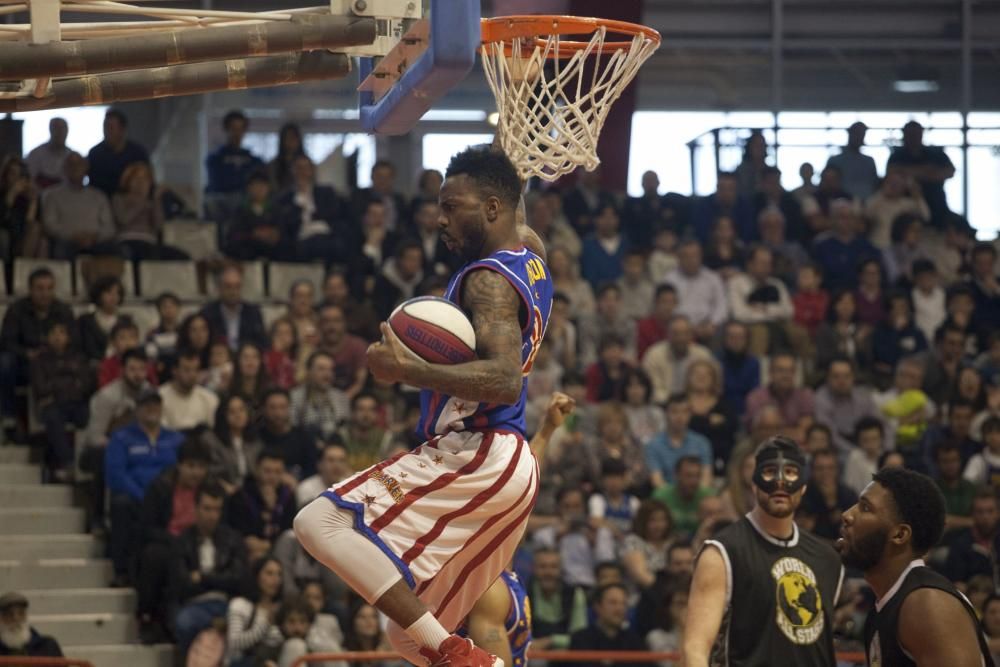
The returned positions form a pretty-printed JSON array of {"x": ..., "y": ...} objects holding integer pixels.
[
  {"x": 487, "y": 621},
  {"x": 495, "y": 376}
]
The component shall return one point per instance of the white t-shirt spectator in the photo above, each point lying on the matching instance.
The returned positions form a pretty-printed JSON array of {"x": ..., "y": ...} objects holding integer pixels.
[{"x": 181, "y": 412}]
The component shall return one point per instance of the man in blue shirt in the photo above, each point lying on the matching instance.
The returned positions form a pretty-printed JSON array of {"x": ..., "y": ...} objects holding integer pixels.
[
  {"x": 230, "y": 166},
  {"x": 666, "y": 449},
  {"x": 136, "y": 455},
  {"x": 604, "y": 250},
  {"x": 841, "y": 253}
]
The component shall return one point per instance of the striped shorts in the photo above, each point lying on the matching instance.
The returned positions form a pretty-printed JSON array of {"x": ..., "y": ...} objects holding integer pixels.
[{"x": 449, "y": 514}]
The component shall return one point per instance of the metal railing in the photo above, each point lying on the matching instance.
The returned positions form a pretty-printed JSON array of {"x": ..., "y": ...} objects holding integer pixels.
[{"x": 612, "y": 657}]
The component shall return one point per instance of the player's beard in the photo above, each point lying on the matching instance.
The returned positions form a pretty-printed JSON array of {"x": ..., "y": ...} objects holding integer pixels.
[
  {"x": 15, "y": 636},
  {"x": 778, "y": 511},
  {"x": 865, "y": 552}
]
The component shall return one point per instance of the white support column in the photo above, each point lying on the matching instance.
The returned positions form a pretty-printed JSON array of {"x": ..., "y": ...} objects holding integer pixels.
[{"x": 44, "y": 29}]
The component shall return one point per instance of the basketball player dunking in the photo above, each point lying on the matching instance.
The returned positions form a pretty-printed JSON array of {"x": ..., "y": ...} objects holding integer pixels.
[
  {"x": 423, "y": 535},
  {"x": 763, "y": 592},
  {"x": 920, "y": 618}
]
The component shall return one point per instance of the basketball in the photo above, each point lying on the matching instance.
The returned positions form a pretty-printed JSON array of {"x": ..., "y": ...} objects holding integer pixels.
[{"x": 434, "y": 329}]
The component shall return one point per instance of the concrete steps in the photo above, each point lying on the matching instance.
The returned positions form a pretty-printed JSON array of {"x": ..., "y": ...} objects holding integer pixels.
[
  {"x": 17, "y": 496},
  {"x": 81, "y": 601},
  {"x": 20, "y": 473},
  {"x": 40, "y": 547},
  {"x": 42, "y": 521},
  {"x": 15, "y": 454},
  {"x": 87, "y": 629},
  {"x": 54, "y": 574},
  {"x": 123, "y": 655}
]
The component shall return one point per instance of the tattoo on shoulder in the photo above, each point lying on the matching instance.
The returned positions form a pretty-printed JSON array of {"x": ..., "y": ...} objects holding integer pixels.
[{"x": 494, "y": 308}]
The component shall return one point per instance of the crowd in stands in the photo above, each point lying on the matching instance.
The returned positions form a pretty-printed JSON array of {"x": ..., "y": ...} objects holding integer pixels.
[{"x": 857, "y": 315}]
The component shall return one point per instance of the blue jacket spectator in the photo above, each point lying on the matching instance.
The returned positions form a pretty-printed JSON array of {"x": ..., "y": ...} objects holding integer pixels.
[
  {"x": 740, "y": 369},
  {"x": 667, "y": 448},
  {"x": 725, "y": 201},
  {"x": 230, "y": 166},
  {"x": 139, "y": 452},
  {"x": 841, "y": 253},
  {"x": 604, "y": 250}
]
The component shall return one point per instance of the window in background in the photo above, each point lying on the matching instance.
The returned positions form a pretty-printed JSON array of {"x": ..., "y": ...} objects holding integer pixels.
[
  {"x": 439, "y": 148},
  {"x": 86, "y": 127}
]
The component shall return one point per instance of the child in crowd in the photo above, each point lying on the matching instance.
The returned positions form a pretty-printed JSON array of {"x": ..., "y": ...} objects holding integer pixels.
[
  {"x": 810, "y": 300},
  {"x": 611, "y": 506},
  {"x": 124, "y": 337},
  {"x": 219, "y": 373},
  {"x": 161, "y": 342},
  {"x": 61, "y": 384},
  {"x": 280, "y": 358},
  {"x": 663, "y": 259}
]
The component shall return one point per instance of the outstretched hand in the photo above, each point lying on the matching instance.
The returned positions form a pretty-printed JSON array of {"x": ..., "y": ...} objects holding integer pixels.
[
  {"x": 560, "y": 406},
  {"x": 389, "y": 359}
]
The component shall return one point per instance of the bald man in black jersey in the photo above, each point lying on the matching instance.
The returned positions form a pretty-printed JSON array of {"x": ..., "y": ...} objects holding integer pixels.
[{"x": 920, "y": 619}]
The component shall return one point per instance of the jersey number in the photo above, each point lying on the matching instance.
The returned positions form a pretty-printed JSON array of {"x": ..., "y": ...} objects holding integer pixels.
[{"x": 536, "y": 341}]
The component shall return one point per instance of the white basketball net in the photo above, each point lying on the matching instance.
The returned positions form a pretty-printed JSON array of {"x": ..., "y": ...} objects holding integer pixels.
[{"x": 550, "y": 121}]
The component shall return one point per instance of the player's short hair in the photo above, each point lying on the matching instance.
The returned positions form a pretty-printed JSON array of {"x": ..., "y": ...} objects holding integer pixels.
[
  {"x": 491, "y": 170},
  {"x": 918, "y": 502}
]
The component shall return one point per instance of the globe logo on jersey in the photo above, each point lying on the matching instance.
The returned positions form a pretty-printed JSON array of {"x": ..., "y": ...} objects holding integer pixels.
[{"x": 799, "y": 611}]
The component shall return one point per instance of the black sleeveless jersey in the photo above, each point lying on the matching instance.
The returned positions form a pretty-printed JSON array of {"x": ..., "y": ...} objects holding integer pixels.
[
  {"x": 881, "y": 637},
  {"x": 780, "y": 597}
]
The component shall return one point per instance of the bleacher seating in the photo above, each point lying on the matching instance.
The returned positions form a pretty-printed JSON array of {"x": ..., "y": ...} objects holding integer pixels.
[
  {"x": 282, "y": 275},
  {"x": 181, "y": 278},
  {"x": 61, "y": 269},
  {"x": 198, "y": 239}
]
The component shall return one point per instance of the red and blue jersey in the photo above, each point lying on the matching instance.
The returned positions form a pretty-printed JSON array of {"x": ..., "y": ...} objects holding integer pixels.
[{"x": 528, "y": 275}]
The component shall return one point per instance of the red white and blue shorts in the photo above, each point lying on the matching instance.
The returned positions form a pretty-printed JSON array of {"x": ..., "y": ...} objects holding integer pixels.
[{"x": 449, "y": 514}]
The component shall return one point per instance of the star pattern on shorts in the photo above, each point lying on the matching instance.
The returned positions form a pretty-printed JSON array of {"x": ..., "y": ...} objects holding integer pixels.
[
  {"x": 369, "y": 500},
  {"x": 459, "y": 406},
  {"x": 438, "y": 459},
  {"x": 404, "y": 475}
]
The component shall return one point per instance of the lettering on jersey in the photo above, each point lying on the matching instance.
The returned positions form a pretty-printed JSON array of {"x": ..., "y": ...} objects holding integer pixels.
[
  {"x": 390, "y": 484},
  {"x": 535, "y": 269},
  {"x": 799, "y": 611},
  {"x": 875, "y": 652}
]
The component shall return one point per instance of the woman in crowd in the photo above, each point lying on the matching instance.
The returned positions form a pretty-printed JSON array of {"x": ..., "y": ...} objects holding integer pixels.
[
  {"x": 750, "y": 169},
  {"x": 615, "y": 442},
  {"x": 302, "y": 306},
  {"x": 250, "y": 378},
  {"x": 20, "y": 228},
  {"x": 710, "y": 415},
  {"x": 969, "y": 386},
  {"x": 289, "y": 148},
  {"x": 138, "y": 212},
  {"x": 566, "y": 279},
  {"x": 668, "y": 635},
  {"x": 737, "y": 496},
  {"x": 250, "y": 619},
  {"x": 644, "y": 419},
  {"x": 236, "y": 447},
  {"x": 106, "y": 294},
  {"x": 364, "y": 633},
  {"x": 724, "y": 251},
  {"x": 842, "y": 334},
  {"x": 907, "y": 247},
  {"x": 280, "y": 360},
  {"x": 869, "y": 298},
  {"x": 219, "y": 375},
  {"x": 196, "y": 335},
  {"x": 644, "y": 552}
]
